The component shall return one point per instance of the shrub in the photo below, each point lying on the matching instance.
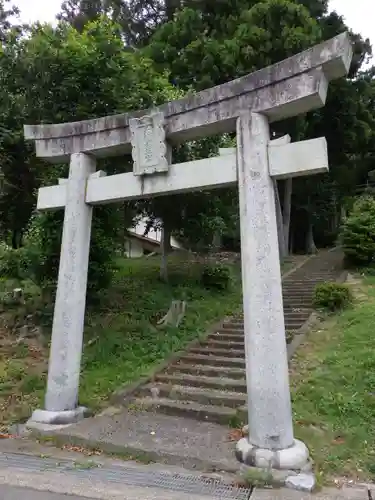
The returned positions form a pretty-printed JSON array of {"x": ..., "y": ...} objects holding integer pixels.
[
  {"x": 218, "y": 277},
  {"x": 14, "y": 263},
  {"x": 44, "y": 241},
  {"x": 358, "y": 233},
  {"x": 369, "y": 271},
  {"x": 332, "y": 296}
]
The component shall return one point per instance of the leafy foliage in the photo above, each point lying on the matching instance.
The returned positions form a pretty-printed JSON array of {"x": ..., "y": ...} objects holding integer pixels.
[
  {"x": 216, "y": 277},
  {"x": 13, "y": 263},
  {"x": 60, "y": 65},
  {"x": 85, "y": 67},
  {"x": 358, "y": 233},
  {"x": 332, "y": 296},
  {"x": 230, "y": 47}
]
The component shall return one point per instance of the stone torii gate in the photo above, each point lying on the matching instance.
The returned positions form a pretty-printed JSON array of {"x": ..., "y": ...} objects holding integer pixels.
[{"x": 247, "y": 105}]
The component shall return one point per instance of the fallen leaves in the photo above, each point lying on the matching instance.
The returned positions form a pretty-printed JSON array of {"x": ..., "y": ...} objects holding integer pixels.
[
  {"x": 7, "y": 436},
  {"x": 235, "y": 435},
  {"x": 81, "y": 449},
  {"x": 338, "y": 440}
]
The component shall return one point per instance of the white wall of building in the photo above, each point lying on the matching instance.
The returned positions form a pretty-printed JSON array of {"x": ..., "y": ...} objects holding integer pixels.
[
  {"x": 133, "y": 248},
  {"x": 153, "y": 234}
]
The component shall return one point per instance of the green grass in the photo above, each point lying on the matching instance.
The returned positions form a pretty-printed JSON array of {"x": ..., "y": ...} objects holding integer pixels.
[{"x": 333, "y": 383}]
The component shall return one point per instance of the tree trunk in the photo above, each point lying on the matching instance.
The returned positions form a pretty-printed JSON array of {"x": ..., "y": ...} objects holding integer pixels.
[
  {"x": 287, "y": 211},
  {"x": 216, "y": 241},
  {"x": 170, "y": 8},
  {"x": 292, "y": 240},
  {"x": 165, "y": 245},
  {"x": 310, "y": 243},
  {"x": 279, "y": 220},
  {"x": 343, "y": 213},
  {"x": 125, "y": 233},
  {"x": 16, "y": 239}
]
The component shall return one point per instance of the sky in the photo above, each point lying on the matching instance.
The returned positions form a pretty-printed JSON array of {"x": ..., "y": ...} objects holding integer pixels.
[{"x": 358, "y": 14}]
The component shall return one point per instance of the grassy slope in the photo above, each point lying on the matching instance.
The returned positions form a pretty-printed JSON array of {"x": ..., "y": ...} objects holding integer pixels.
[
  {"x": 333, "y": 381},
  {"x": 125, "y": 344},
  {"x": 121, "y": 343}
]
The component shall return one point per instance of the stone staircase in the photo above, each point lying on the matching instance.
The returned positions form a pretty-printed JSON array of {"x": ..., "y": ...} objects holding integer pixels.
[{"x": 208, "y": 381}]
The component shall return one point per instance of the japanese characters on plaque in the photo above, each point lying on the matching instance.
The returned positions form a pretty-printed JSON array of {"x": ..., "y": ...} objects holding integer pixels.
[{"x": 149, "y": 149}]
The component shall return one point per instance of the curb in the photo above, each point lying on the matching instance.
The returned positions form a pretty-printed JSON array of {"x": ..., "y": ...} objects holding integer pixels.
[{"x": 132, "y": 453}]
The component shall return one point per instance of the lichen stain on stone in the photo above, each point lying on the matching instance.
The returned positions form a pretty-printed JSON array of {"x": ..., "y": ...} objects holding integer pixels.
[{"x": 142, "y": 179}]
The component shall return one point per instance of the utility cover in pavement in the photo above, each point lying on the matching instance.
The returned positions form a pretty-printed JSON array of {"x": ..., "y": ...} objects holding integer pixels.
[{"x": 133, "y": 476}]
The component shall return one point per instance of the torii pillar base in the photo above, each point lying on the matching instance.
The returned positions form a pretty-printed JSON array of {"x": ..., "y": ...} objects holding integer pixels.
[
  {"x": 56, "y": 418},
  {"x": 295, "y": 457}
]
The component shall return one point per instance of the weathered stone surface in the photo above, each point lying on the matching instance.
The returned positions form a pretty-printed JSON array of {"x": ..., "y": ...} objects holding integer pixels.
[
  {"x": 266, "y": 363},
  {"x": 325, "y": 494},
  {"x": 211, "y": 111},
  {"x": 293, "y": 458},
  {"x": 176, "y": 441},
  {"x": 190, "y": 176},
  {"x": 301, "y": 482},
  {"x": 149, "y": 149},
  {"x": 285, "y": 161},
  {"x": 68, "y": 320},
  {"x": 56, "y": 418}
]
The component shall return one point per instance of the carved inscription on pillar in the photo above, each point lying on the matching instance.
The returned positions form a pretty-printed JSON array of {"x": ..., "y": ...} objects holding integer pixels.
[{"x": 149, "y": 148}]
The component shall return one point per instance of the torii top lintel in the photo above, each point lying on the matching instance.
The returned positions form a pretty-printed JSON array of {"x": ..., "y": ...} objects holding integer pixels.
[{"x": 288, "y": 88}]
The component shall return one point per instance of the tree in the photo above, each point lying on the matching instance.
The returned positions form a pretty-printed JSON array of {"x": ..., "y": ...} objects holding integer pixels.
[
  {"x": 202, "y": 44},
  {"x": 136, "y": 19},
  {"x": 9, "y": 16},
  {"x": 61, "y": 74},
  {"x": 208, "y": 44},
  {"x": 16, "y": 164}
]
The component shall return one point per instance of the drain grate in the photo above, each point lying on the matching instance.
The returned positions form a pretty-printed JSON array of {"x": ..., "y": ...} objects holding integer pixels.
[{"x": 133, "y": 476}]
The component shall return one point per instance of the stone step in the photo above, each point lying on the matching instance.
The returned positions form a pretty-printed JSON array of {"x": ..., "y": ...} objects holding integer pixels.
[
  {"x": 306, "y": 294},
  {"x": 230, "y": 327},
  {"x": 297, "y": 310},
  {"x": 212, "y": 351},
  {"x": 293, "y": 323},
  {"x": 203, "y": 396},
  {"x": 294, "y": 287},
  {"x": 233, "y": 385},
  {"x": 309, "y": 280},
  {"x": 304, "y": 287},
  {"x": 305, "y": 298},
  {"x": 212, "y": 360},
  {"x": 230, "y": 337},
  {"x": 304, "y": 313},
  {"x": 297, "y": 316},
  {"x": 209, "y": 371},
  {"x": 223, "y": 344},
  {"x": 297, "y": 302},
  {"x": 204, "y": 413},
  {"x": 288, "y": 314},
  {"x": 298, "y": 306},
  {"x": 233, "y": 325}
]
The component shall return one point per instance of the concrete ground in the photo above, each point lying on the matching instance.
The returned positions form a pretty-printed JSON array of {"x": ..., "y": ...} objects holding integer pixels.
[
  {"x": 161, "y": 438},
  {"x": 17, "y": 485},
  {"x": 33, "y": 471},
  {"x": 14, "y": 493}
]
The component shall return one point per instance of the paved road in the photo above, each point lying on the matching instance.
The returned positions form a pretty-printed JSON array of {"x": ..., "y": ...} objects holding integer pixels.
[{"x": 14, "y": 493}]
